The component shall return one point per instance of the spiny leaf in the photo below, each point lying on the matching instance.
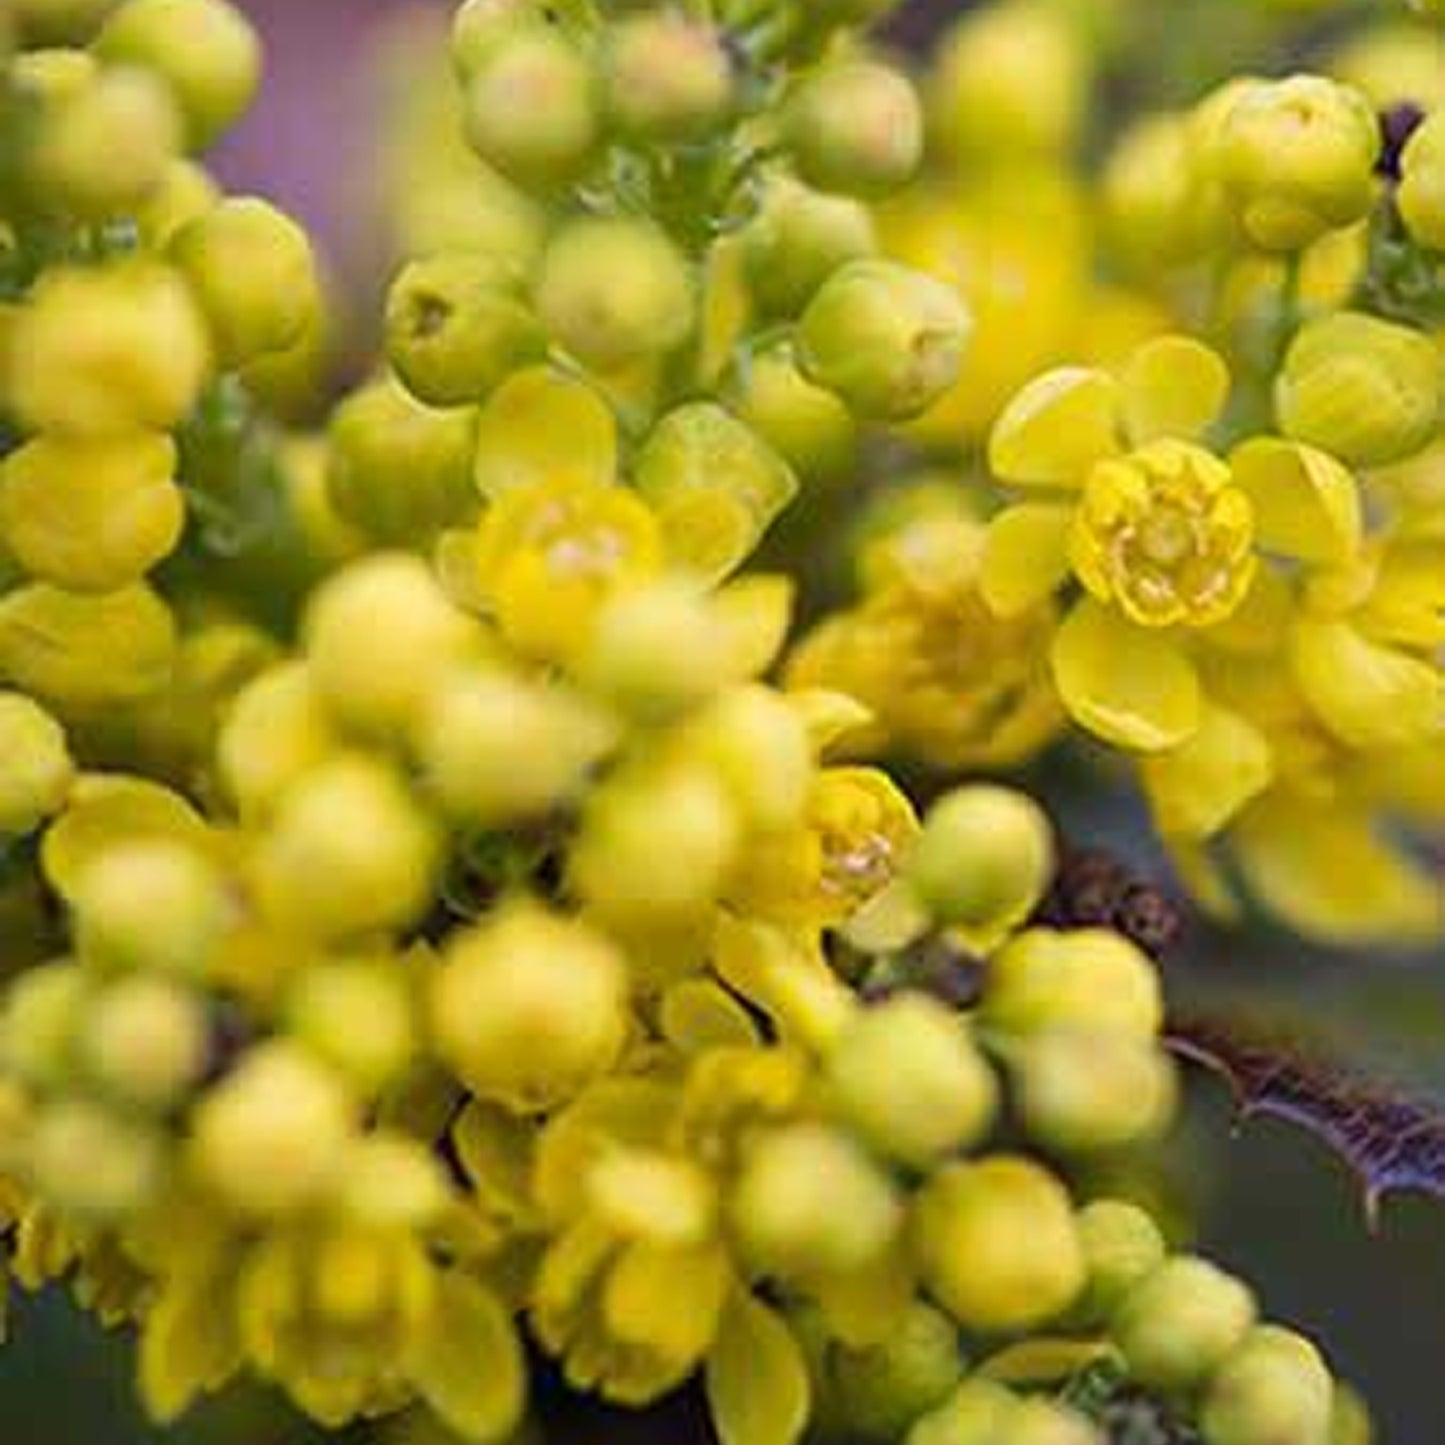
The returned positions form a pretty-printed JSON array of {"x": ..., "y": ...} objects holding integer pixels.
[{"x": 1394, "y": 1143}]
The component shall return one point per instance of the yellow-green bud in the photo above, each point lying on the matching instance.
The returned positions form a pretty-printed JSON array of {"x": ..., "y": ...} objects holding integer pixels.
[
  {"x": 759, "y": 748},
  {"x": 1368, "y": 391},
  {"x": 271, "y": 1139},
  {"x": 150, "y": 904},
  {"x": 1350, "y": 1422},
  {"x": 1180, "y": 1324},
  {"x": 252, "y": 271},
  {"x": 1083, "y": 1092},
  {"x": 615, "y": 290},
  {"x": 357, "y": 1015},
  {"x": 1273, "y": 1390},
  {"x": 799, "y": 238},
  {"x": 380, "y": 636},
  {"x": 881, "y": 1390},
  {"x": 94, "y": 1162},
  {"x": 91, "y": 514},
  {"x": 531, "y": 107},
  {"x": 908, "y": 1078},
  {"x": 1091, "y": 980},
  {"x": 457, "y": 326},
  {"x": 38, "y": 768},
  {"x": 810, "y": 1203},
  {"x": 55, "y": 22},
  {"x": 998, "y": 1244},
  {"x": 1150, "y": 194},
  {"x": 984, "y": 859},
  {"x": 530, "y": 1007},
  {"x": 977, "y": 1413},
  {"x": 1041, "y": 1422},
  {"x": 667, "y": 79},
  {"x": 888, "y": 340},
  {"x": 1421, "y": 192},
  {"x": 145, "y": 1041},
  {"x": 186, "y": 193},
  {"x": 40, "y": 1022},
  {"x": 854, "y": 128},
  {"x": 1122, "y": 1248},
  {"x": 354, "y": 822},
  {"x": 1296, "y": 158},
  {"x": 479, "y": 24},
  {"x": 808, "y": 427},
  {"x": 116, "y": 349},
  {"x": 398, "y": 470},
  {"x": 205, "y": 50}
]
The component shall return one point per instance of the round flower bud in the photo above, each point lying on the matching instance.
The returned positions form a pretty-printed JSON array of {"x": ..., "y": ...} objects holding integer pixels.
[
  {"x": 984, "y": 859},
  {"x": 667, "y": 79},
  {"x": 808, "y": 427},
  {"x": 91, "y": 514},
  {"x": 380, "y": 636},
  {"x": 998, "y": 1244},
  {"x": 615, "y": 290},
  {"x": 1350, "y": 1422},
  {"x": 187, "y": 192},
  {"x": 38, "y": 767},
  {"x": 800, "y": 238},
  {"x": 531, "y": 110},
  {"x": 252, "y": 271},
  {"x": 1178, "y": 1326},
  {"x": 150, "y": 904},
  {"x": 530, "y": 1007},
  {"x": 113, "y": 349},
  {"x": 40, "y": 1022},
  {"x": 397, "y": 470},
  {"x": 1090, "y": 980},
  {"x": 205, "y": 50},
  {"x": 979, "y": 1412},
  {"x": 1273, "y": 1390},
  {"x": 882, "y": 1389},
  {"x": 1122, "y": 1248},
  {"x": 1042, "y": 1422},
  {"x": 1421, "y": 192},
  {"x": 457, "y": 327},
  {"x": 810, "y": 1203},
  {"x": 353, "y": 822},
  {"x": 854, "y": 127},
  {"x": 272, "y": 1137},
  {"x": 479, "y": 24},
  {"x": 888, "y": 340},
  {"x": 1368, "y": 391},
  {"x": 1296, "y": 158},
  {"x": 145, "y": 1041},
  {"x": 355, "y": 1014},
  {"x": 91, "y": 1161},
  {"x": 106, "y": 149},
  {"x": 1082, "y": 1092},
  {"x": 909, "y": 1080}
]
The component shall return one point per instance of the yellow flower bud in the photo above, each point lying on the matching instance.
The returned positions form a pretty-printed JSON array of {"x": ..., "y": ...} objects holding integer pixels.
[
  {"x": 38, "y": 768},
  {"x": 54, "y": 22},
  {"x": 530, "y": 1007},
  {"x": 1421, "y": 193},
  {"x": 145, "y": 1041},
  {"x": 186, "y": 192},
  {"x": 808, "y": 427},
  {"x": 357, "y": 1015},
  {"x": 798, "y": 239},
  {"x": 879, "y": 1391},
  {"x": 889, "y": 341},
  {"x": 810, "y": 1203},
  {"x": 94, "y": 1162},
  {"x": 40, "y": 1022},
  {"x": 116, "y": 349},
  {"x": 380, "y": 636},
  {"x": 1368, "y": 391},
  {"x": 1041, "y": 1422},
  {"x": 457, "y": 326},
  {"x": 205, "y": 50},
  {"x": 908, "y": 1078},
  {"x": 91, "y": 514},
  {"x": 1273, "y": 1390},
  {"x": 998, "y": 1244},
  {"x": 1181, "y": 1323},
  {"x": 977, "y": 1413},
  {"x": 667, "y": 79},
  {"x": 478, "y": 24},
  {"x": 252, "y": 271},
  {"x": 614, "y": 291},
  {"x": 1122, "y": 1248},
  {"x": 272, "y": 1138}
]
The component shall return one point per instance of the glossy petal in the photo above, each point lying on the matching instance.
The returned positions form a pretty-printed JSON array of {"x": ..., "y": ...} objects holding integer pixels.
[
  {"x": 1306, "y": 505},
  {"x": 1173, "y": 387},
  {"x": 757, "y": 1382},
  {"x": 1025, "y": 557},
  {"x": 668, "y": 1299},
  {"x": 1132, "y": 687},
  {"x": 1195, "y": 789},
  {"x": 1056, "y": 428}
]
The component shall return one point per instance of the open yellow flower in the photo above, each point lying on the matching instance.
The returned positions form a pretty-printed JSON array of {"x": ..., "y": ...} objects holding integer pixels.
[{"x": 1162, "y": 533}]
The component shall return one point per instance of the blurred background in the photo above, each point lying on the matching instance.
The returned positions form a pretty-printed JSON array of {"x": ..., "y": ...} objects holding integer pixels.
[{"x": 1269, "y": 1202}]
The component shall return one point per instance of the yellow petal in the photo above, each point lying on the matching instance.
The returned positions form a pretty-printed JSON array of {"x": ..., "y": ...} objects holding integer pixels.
[
  {"x": 1207, "y": 881},
  {"x": 1056, "y": 428},
  {"x": 1366, "y": 694},
  {"x": 1197, "y": 788},
  {"x": 869, "y": 1305},
  {"x": 833, "y": 719},
  {"x": 1131, "y": 686},
  {"x": 1025, "y": 557},
  {"x": 757, "y": 1382},
  {"x": 668, "y": 1299},
  {"x": 543, "y": 426},
  {"x": 756, "y": 613},
  {"x": 188, "y": 1343},
  {"x": 1306, "y": 505},
  {"x": 697, "y": 1014},
  {"x": 1173, "y": 387}
]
